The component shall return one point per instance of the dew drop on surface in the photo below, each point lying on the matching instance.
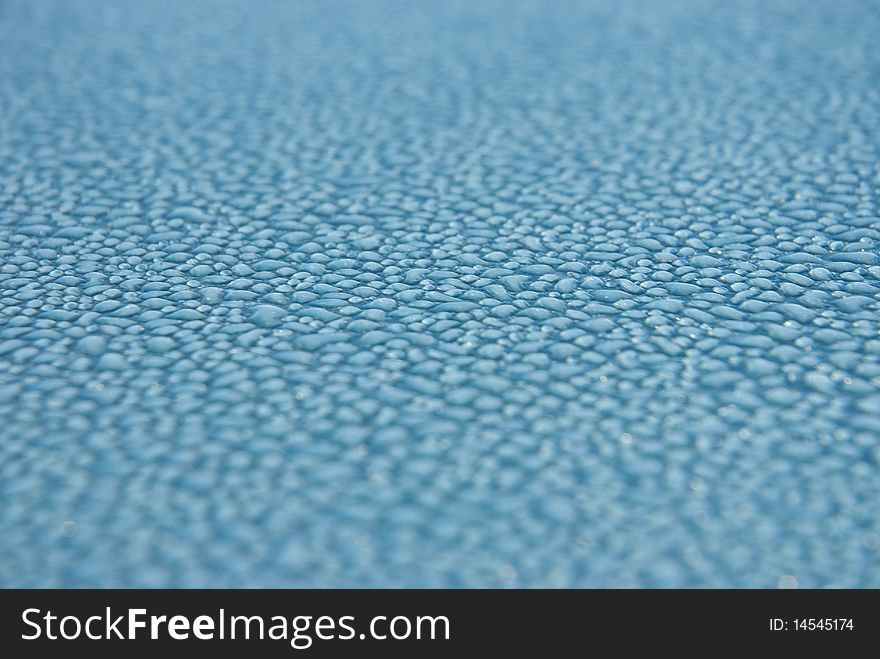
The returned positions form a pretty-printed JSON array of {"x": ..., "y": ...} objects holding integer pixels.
[{"x": 417, "y": 304}]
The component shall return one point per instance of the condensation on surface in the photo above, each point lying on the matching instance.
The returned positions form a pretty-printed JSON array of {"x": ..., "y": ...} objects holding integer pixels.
[{"x": 439, "y": 293}]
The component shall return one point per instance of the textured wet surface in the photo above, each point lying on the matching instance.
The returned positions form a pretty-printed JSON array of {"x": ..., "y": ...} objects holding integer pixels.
[{"x": 439, "y": 294}]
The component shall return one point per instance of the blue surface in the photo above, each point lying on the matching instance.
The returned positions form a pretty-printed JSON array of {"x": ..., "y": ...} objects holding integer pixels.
[{"x": 439, "y": 293}]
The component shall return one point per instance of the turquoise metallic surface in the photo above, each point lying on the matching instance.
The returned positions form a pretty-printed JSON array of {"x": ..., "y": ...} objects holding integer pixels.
[{"x": 448, "y": 293}]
